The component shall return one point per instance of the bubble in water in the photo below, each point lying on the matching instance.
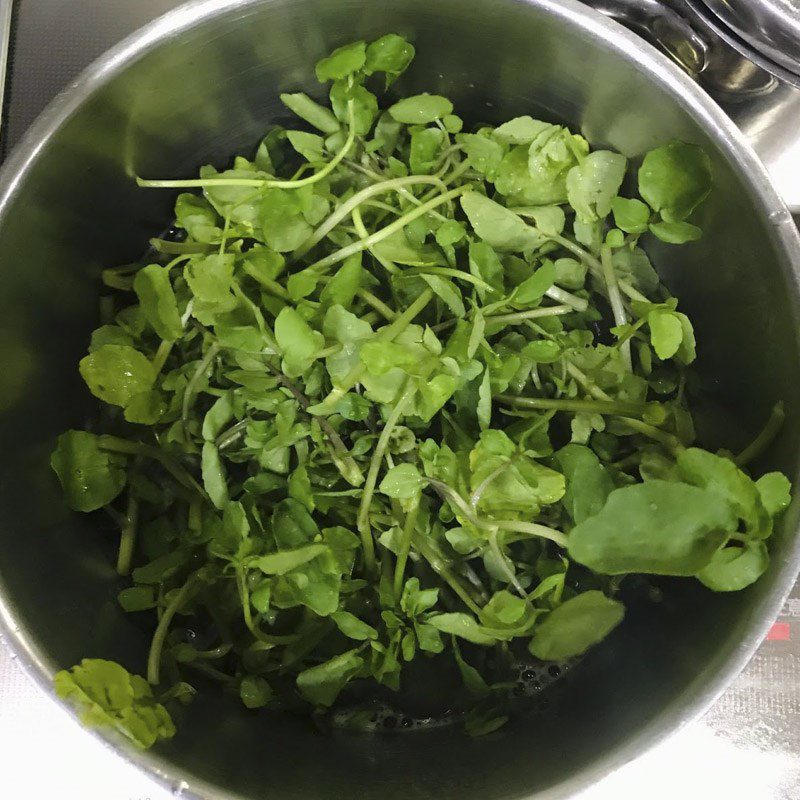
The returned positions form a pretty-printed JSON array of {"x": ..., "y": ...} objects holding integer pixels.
[
  {"x": 386, "y": 719},
  {"x": 529, "y": 679}
]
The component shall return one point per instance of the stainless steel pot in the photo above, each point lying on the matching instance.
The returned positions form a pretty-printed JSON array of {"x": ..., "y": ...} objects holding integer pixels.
[{"x": 202, "y": 83}]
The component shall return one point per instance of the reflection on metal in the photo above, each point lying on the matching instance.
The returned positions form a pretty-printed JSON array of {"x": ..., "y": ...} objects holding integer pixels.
[
  {"x": 6, "y": 11},
  {"x": 763, "y": 106},
  {"x": 772, "y": 27}
]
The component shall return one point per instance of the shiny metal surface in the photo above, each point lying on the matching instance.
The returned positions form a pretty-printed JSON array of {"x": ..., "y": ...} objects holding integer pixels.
[
  {"x": 770, "y": 26},
  {"x": 758, "y": 55},
  {"x": 162, "y": 103},
  {"x": 763, "y": 106}
]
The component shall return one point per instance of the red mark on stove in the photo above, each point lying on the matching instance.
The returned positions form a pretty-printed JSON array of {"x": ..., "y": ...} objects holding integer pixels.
[{"x": 779, "y": 632}]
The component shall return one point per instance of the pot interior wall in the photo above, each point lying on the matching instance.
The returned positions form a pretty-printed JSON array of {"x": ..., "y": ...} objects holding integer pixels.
[{"x": 211, "y": 91}]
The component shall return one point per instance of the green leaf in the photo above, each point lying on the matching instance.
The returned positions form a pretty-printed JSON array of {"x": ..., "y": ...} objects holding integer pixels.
[
  {"x": 145, "y": 408},
  {"x": 532, "y": 289},
  {"x": 365, "y": 105},
  {"x": 483, "y": 154},
  {"x": 630, "y": 215},
  {"x": 255, "y": 692},
  {"x": 447, "y": 292},
  {"x": 342, "y": 62},
  {"x": 381, "y": 357},
  {"x": 218, "y": 416},
  {"x": 426, "y": 146},
  {"x": 463, "y": 626},
  {"x": 658, "y": 527},
  {"x": 450, "y": 232},
  {"x": 210, "y": 279},
  {"x": 286, "y": 560},
  {"x": 734, "y": 568},
  {"x": 282, "y": 222},
  {"x": 675, "y": 232},
  {"x": 774, "y": 490},
  {"x": 90, "y": 477},
  {"x": 473, "y": 680},
  {"x": 575, "y": 626},
  {"x": 343, "y": 286},
  {"x": 675, "y": 179},
  {"x": 722, "y": 477},
  {"x": 322, "y": 684},
  {"x": 320, "y": 117},
  {"x": 520, "y": 130},
  {"x": 588, "y": 483},
  {"x": 352, "y": 627},
  {"x": 157, "y": 301},
  {"x": 116, "y": 373},
  {"x": 299, "y": 486},
  {"x": 214, "y": 477},
  {"x": 402, "y": 482},
  {"x": 497, "y": 226},
  {"x": 542, "y": 351},
  {"x": 137, "y": 598},
  {"x": 666, "y": 332},
  {"x": 510, "y": 481},
  {"x": 484, "y": 263},
  {"x": 309, "y": 145},
  {"x": 353, "y": 407},
  {"x": 391, "y": 54},
  {"x": 299, "y": 343},
  {"x": 421, "y": 109},
  {"x": 198, "y": 218},
  {"x": 484, "y": 407},
  {"x": 106, "y": 695},
  {"x": 593, "y": 184}
]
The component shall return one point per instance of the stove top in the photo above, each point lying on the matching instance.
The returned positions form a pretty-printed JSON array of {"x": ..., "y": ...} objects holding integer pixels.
[{"x": 747, "y": 747}]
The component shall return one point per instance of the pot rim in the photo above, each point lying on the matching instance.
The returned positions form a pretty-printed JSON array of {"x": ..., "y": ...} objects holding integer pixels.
[{"x": 703, "y": 692}]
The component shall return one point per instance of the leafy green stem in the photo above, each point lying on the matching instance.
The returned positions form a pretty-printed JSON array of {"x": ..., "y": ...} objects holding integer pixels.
[
  {"x": 364, "y": 528},
  {"x": 346, "y": 209},
  {"x": 576, "y": 405},
  {"x": 159, "y": 637},
  {"x": 615, "y": 299},
  {"x": 127, "y": 540},
  {"x": 115, "y": 444},
  {"x": 404, "y": 549},
  {"x": 383, "y": 233},
  {"x": 765, "y": 437},
  {"x": 194, "y": 381}
]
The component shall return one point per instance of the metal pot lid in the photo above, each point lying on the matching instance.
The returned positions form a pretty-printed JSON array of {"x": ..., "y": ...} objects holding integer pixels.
[{"x": 772, "y": 27}]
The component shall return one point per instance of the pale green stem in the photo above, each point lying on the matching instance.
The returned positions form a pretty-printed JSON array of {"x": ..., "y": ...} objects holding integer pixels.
[
  {"x": 452, "y": 273},
  {"x": 188, "y": 394},
  {"x": 532, "y": 529},
  {"x": 383, "y": 233},
  {"x": 157, "y": 645},
  {"x": 387, "y": 313},
  {"x": 364, "y": 527},
  {"x": 667, "y": 439},
  {"x": 127, "y": 540},
  {"x": 346, "y": 209},
  {"x": 563, "y": 296},
  {"x": 577, "y": 405},
  {"x": 115, "y": 444},
  {"x": 615, "y": 299},
  {"x": 161, "y": 356},
  {"x": 272, "y": 286},
  {"x": 363, "y": 233},
  {"x": 765, "y": 437},
  {"x": 405, "y": 547},
  {"x": 200, "y": 183},
  {"x": 244, "y": 598}
]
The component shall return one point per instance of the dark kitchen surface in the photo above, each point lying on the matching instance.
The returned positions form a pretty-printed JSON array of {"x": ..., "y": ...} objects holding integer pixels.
[{"x": 759, "y": 716}]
